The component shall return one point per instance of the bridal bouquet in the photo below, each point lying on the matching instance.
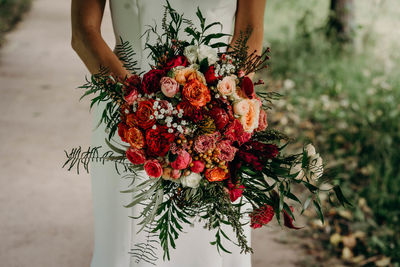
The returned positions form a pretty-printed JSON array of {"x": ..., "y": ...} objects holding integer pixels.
[{"x": 197, "y": 127}]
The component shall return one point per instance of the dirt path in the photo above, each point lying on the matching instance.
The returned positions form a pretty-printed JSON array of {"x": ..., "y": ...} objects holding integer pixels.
[{"x": 46, "y": 217}]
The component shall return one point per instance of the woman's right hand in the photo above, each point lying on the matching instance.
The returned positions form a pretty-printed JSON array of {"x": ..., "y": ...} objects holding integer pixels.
[{"x": 86, "y": 17}]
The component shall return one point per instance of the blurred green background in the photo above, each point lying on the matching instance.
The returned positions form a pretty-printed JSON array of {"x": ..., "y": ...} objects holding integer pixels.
[{"x": 342, "y": 92}]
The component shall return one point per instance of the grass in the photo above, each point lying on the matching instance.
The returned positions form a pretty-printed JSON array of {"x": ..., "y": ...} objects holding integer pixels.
[
  {"x": 10, "y": 13},
  {"x": 350, "y": 99}
]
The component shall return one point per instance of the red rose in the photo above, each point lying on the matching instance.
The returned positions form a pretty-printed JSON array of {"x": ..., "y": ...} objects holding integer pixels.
[
  {"x": 220, "y": 117},
  {"x": 144, "y": 116},
  {"x": 151, "y": 81},
  {"x": 136, "y": 156},
  {"x": 235, "y": 191},
  {"x": 243, "y": 138},
  {"x": 153, "y": 168},
  {"x": 268, "y": 151},
  {"x": 251, "y": 159},
  {"x": 175, "y": 62},
  {"x": 210, "y": 75},
  {"x": 248, "y": 87},
  {"x": 190, "y": 111},
  {"x": 132, "y": 83},
  {"x": 261, "y": 216},
  {"x": 198, "y": 166},
  {"x": 122, "y": 129},
  {"x": 159, "y": 141},
  {"x": 182, "y": 161}
]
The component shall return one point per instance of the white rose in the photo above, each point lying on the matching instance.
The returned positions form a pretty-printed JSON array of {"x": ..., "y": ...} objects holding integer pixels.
[
  {"x": 310, "y": 150},
  {"x": 208, "y": 52},
  {"x": 192, "y": 180},
  {"x": 191, "y": 54}
]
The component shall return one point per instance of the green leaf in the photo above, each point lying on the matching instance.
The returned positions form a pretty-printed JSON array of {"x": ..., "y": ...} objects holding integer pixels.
[
  {"x": 319, "y": 211},
  {"x": 339, "y": 194},
  {"x": 306, "y": 203},
  {"x": 310, "y": 187}
]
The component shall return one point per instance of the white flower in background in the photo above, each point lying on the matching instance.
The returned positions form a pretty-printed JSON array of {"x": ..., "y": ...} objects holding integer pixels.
[
  {"x": 208, "y": 52},
  {"x": 191, "y": 54},
  {"x": 315, "y": 167},
  {"x": 310, "y": 149},
  {"x": 192, "y": 180},
  {"x": 297, "y": 169}
]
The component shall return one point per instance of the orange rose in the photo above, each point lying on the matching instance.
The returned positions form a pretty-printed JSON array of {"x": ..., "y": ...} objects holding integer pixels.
[
  {"x": 144, "y": 116},
  {"x": 185, "y": 75},
  {"x": 216, "y": 174},
  {"x": 135, "y": 138},
  {"x": 196, "y": 93},
  {"x": 131, "y": 120}
]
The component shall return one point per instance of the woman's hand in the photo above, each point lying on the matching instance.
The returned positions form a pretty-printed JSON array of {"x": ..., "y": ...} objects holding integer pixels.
[
  {"x": 250, "y": 14},
  {"x": 86, "y": 17}
]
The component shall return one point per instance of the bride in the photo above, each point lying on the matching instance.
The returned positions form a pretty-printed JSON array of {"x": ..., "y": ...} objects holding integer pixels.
[{"x": 116, "y": 233}]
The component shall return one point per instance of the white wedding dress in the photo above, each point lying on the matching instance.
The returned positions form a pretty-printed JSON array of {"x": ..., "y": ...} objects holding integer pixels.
[{"x": 115, "y": 233}]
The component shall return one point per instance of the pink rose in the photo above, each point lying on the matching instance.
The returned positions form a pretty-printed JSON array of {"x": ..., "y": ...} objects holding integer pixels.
[
  {"x": 171, "y": 174},
  {"x": 205, "y": 142},
  {"x": 198, "y": 166},
  {"x": 131, "y": 98},
  {"x": 262, "y": 121},
  {"x": 182, "y": 161},
  {"x": 169, "y": 86},
  {"x": 241, "y": 107},
  {"x": 136, "y": 156},
  {"x": 226, "y": 151},
  {"x": 227, "y": 86},
  {"x": 153, "y": 168}
]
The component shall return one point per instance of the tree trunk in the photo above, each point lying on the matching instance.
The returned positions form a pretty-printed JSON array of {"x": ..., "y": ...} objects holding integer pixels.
[{"x": 341, "y": 20}]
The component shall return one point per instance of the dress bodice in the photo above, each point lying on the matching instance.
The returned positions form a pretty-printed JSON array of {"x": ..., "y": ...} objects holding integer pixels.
[{"x": 132, "y": 17}]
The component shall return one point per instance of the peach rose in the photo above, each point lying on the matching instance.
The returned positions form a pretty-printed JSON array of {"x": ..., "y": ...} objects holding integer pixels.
[
  {"x": 241, "y": 107},
  {"x": 250, "y": 120},
  {"x": 262, "y": 121},
  {"x": 182, "y": 76},
  {"x": 171, "y": 174},
  {"x": 216, "y": 174},
  {"x": 196, "y": 93},
  {"x": 227, "y": 86}
]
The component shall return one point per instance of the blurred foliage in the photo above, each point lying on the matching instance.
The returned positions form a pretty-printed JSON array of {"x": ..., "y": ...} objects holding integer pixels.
[
  {"x": 10, "y": 13},
  {"x": 347, "y": 100}
]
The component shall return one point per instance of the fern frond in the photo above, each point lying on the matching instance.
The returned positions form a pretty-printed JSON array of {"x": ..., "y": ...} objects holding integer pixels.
[
  {"x": 77, "y": 159},
  {"x": 126, "y": 54},
  {"x": 146, "y": 251}
]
